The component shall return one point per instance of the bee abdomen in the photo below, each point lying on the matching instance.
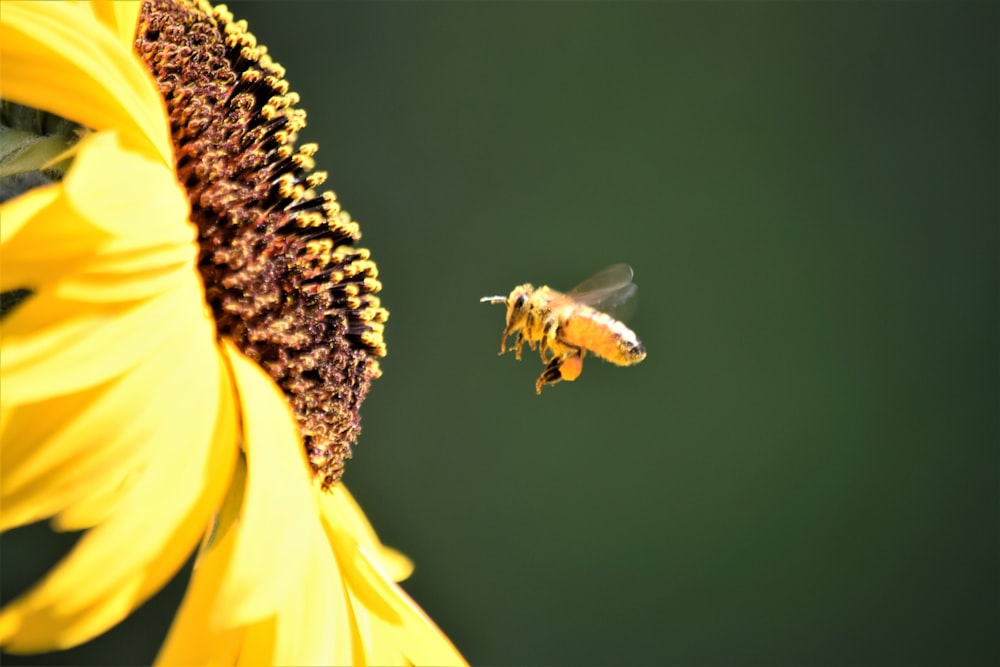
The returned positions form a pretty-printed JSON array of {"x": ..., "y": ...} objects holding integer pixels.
[{"x": 602, "y": 335}]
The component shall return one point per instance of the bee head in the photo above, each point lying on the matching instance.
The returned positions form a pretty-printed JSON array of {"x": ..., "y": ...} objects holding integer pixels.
[
  {"x": 516, "y": 302},
  {"x": 517, "y": 305}
]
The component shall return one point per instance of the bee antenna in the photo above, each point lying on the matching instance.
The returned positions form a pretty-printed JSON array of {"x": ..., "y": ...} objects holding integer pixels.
[{"x": 493, "y": 299}]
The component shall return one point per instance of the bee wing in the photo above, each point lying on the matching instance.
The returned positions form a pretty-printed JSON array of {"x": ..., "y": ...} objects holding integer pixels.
[{"x": 611, "y": 291}]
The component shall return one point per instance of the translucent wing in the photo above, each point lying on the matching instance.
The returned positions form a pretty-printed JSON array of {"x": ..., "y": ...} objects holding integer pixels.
[{"x": 611, "y": 291}]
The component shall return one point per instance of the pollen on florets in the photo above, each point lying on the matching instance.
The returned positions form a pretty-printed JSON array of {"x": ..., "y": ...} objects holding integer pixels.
[{"x": 282, "y": 274}]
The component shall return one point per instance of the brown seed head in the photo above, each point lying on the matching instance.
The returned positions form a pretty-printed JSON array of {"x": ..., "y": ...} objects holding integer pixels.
[{"x": 281, "y": 274}]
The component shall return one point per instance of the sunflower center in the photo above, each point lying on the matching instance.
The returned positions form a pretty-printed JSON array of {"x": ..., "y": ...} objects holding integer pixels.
[{"x": 281, "y": 273}]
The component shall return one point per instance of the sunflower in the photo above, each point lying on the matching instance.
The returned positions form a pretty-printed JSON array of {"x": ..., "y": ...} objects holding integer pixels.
[{"x": 185, "y": 372}]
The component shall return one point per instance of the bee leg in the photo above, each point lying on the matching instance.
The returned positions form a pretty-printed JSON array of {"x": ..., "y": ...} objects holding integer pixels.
[
  {"x": 547, "y": 341},
  {"x": 550, "y": 375},
  {"x": 566, "y": 367},
  {"x": 542, "y": 349},
  {"x": 526, "y": 328},
  {"x": 522, "y": 338}
]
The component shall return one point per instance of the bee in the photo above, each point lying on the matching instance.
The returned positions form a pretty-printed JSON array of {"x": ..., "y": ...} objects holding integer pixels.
[{"x": 564, "y": 327}]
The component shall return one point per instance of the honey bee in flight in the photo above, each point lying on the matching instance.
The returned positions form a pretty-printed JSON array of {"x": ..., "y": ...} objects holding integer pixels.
[{"x": 564, "y": 327}]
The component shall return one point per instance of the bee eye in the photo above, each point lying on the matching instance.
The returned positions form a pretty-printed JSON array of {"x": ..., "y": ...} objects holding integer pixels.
[{"x": 519, "y": 301}]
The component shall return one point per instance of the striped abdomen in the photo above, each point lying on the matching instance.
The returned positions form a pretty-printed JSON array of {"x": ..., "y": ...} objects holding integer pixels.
[{"x": 601, "y": 334}]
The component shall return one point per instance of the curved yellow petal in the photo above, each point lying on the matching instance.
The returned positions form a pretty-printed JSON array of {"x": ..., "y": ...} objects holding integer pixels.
[
  {"x": 116, "y": 212},
  {"x": 396, "y": 630},
  {"x": 46, "y": 241},
  {"x": 98, "y": 506},
  {"x": 63, "y": 450},
  {"x": 34, "y": 456},
  {"x": 127, "y": 193},
  {"x": 364, "y": 578},
  {"x": 193, "y": 639},
  {"x": 311, "y": 625},
  {"x": 20, "y": 211},
  {"x": 120, "y": 563},
  {"x": 266, "y": 588},
  {"x": 343, "y": 510},
  {"x": 278, "y": 513},
  {"x": 315, "y": 626},
  {"x": 51, "y": 346},
  {"x": 417, "y": 641},
  {"x": 109, "y": 279},
  {"x": 59, "y": 57},
  {"x": 120, "y": 16}
]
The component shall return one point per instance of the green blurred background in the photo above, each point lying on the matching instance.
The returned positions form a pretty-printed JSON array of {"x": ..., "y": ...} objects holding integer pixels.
[{"x": 805, "y": 470}]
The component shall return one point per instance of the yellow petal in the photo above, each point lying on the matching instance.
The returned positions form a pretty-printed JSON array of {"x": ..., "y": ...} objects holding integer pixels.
[
  {"x": 121, "y": 562},
  {"x": 127, "y": 193},
  {"x": 416, "y": 642},
  {"x": 130, "y": 276},
  {"x": 63, "y": 450},
  {"x": 97, "y": 506},
  {"x": 115, "y": 228},
  {"x": 315, "y": 626},
  {"x": 59, "y": 57},
  {"x": 192, "y": 639},
  {"x": 20, "y": 210},
  {"x": 37, "y": 450},
  {"x": 274, "y": 539},
  {"x": 51, "y": 346},
  {"x": 121, "y": 16},
  {"x": 47, "y": 239},
  {"x": 312, "y": 624},
  {"x": 396, "y": 630},
  {"x": 365, "y": 580},
  {"x": 248, "y": 588},
  {"x": 341, "y": 509}
]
